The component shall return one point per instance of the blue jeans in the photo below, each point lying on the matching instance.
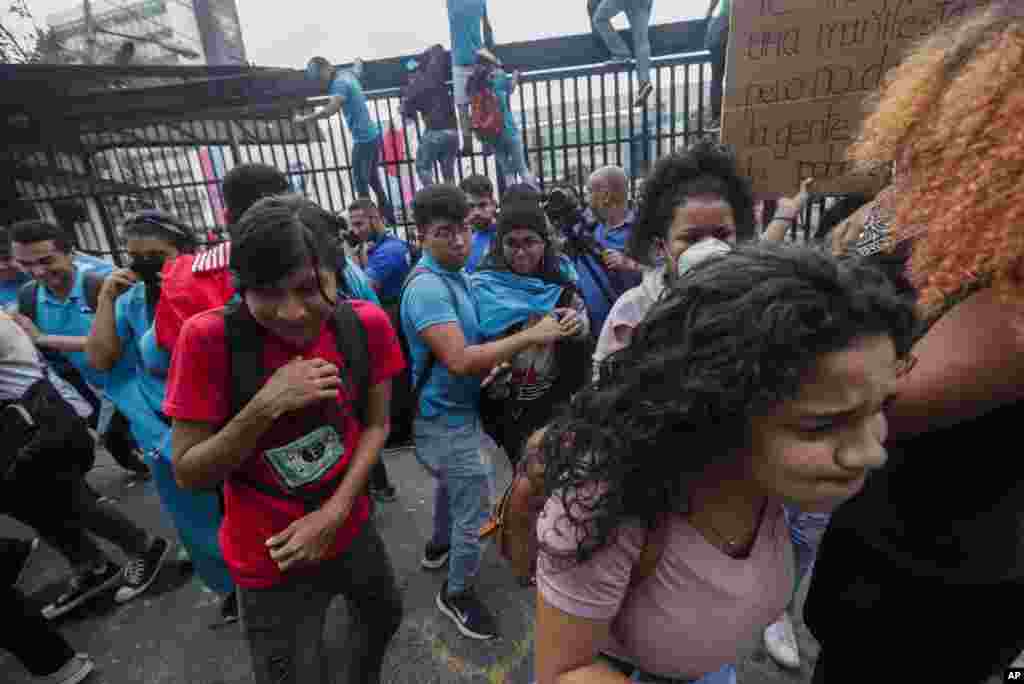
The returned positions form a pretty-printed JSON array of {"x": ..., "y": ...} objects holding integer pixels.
[
  {"x": 639, "y": 14},
  {"x": 437, "y": 146},
  {"x": 451, "y": 454},
  {"x": 508, "y": 155},
  {"x": 366, "y": 175},
  {"x": 805, "y": 531}
]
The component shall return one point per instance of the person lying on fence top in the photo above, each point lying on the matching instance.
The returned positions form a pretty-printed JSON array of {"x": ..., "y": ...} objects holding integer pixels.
[
  {"x": 449, "y": 359},
  {"x": 387, "y": 259},
  {"x": 605, "y": 271},
  {"x": 483, "y": 208},
  {"x": 195, "y": 283},
  {"x": 427, "y": 93},
  {"x": 122, "y": 330},
  {"x": 347, "y": 96},
  {"x": 295, "y": 458},
  {"x": 523, "y": 280},
  {"x": 723, "y": 408}
]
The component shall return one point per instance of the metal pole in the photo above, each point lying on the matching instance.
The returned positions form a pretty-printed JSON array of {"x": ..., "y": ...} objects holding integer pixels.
[{"x": 90, "y": 33}]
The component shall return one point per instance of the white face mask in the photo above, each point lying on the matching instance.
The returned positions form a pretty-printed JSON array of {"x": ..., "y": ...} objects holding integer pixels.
[{"x": 699, "y": 252}]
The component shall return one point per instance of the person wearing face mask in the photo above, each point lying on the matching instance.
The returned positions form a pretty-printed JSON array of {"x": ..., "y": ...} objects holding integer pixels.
[{"x": 122, "y": 333}]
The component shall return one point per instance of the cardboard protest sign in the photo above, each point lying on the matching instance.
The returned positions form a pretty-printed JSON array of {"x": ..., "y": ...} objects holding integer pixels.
[{"x": 798, "y": 73}]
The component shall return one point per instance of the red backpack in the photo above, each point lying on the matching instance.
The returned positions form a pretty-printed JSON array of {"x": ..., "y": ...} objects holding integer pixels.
[{"x": 486, "y": 119}]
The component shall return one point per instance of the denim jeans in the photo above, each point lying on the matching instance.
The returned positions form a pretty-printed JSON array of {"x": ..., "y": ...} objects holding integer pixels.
[
  {"x": 639, "y": 14},
  {"x": 366, "y": 175},
  {"x": 284, "y": 624},
  {"x": 805, "y": 531},
  {"x": 508, "y": 155},
  {"x": 437, "y": 146},
  {"x": 451, "y": 454}
]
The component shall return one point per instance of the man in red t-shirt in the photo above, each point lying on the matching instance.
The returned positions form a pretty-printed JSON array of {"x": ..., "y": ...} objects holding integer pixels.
[{"x": 297, "y": 440}]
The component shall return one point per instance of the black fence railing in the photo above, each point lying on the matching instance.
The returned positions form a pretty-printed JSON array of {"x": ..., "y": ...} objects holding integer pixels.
[{"x": 573, "y": 121}]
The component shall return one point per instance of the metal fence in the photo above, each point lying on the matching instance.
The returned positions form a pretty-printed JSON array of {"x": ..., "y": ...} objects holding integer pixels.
[{"x": 572, "y": 121}]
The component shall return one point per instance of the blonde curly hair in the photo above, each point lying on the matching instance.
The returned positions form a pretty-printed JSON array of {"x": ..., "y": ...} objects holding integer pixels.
[{"x": 952, "y": 118}]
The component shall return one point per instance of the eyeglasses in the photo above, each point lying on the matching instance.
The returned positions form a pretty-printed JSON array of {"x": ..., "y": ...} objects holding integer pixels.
[
  {"x": 449, "y": 233},
  {"x": 529, "y": 244}
]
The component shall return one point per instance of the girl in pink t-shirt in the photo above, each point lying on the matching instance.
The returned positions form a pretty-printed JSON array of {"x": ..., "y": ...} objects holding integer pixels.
[{"x": 760, "y": 380}]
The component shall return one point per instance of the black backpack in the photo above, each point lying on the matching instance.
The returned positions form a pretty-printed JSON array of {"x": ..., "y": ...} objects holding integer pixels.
[
  {"x": 28, "y": 294},
  {"x": 244, "y": 337}
]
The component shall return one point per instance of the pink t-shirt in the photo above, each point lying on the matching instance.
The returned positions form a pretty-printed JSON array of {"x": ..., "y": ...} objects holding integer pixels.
[{"x": 699, "y": 611}]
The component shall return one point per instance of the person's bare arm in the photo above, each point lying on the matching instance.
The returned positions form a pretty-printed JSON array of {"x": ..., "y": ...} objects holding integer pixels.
[
  {"x": 448, "y": 344},
  {"x": 61, "y": 343},
  {"x": 310, "y": 538},
  {"x": 786, "y": 213},
  {"x": 567, "y": 648},
  {"x": 970, "y": 362},
  {"x": 332, "y": 107},
  {"x": 103, "y": 346},
  {"x": 203, "y": 456}
]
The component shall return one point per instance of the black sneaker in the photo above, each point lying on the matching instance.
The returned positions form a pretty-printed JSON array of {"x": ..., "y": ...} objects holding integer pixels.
[
  {"x": 645, "y": 92},
  {"x": 21, "y": 551},
  {"x": 228, "y": 611},
  {"x": 83, "y": 587},
  {"x": 435, "y": 556},
  {"x": 470, "y": 616},
  {"x": 384, "y": 494},
  {"x": 141, "y": 572}
]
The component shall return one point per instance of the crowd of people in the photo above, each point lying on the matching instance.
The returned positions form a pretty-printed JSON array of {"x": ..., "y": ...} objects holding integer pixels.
[{"x": 707, "y": 403}]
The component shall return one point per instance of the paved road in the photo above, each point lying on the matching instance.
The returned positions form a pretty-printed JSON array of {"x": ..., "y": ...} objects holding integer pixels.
[{"x": 164, "y": 636}]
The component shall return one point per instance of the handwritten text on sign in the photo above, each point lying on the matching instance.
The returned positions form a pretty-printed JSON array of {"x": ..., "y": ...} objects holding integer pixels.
[{"x": 798, "y": 72}]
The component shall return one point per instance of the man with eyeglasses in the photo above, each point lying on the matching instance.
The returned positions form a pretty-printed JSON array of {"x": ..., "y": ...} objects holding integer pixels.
[{"x": 439, "y": 319}]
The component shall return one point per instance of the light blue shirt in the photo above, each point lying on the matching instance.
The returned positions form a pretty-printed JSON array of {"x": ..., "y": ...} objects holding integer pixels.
[
  {"x": 387, "y": 263},
  {"x": 481, "y": 246},
  {"x": 357, "y": 113},
  {"x": 139, "y": 395},
  {"x": 358, "y": 283},
  {"x": 9, "y": 289},
  {"x": 91, "y": 263},
  {"x": 464, "y": 22},
  {"x": 502, "y": 84},
  {"x": 596, "y": 282},
  {"x": 427, "y": 302}
]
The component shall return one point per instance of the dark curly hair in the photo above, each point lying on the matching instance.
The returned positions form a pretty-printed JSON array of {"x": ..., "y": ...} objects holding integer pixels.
[
  {"x": 730, "y": 341},
  {"x": 705, "y": 168}
]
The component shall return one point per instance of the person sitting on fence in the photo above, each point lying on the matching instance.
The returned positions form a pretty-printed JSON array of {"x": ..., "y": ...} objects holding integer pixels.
[
  {"x": 122, "y": 329},
  {"x": 523, "y": 280},
  {"x": 192, "y": 284},
  {"x": 282, "y": 396},
  {"x": 347, "y": 96},
  {"x": 483, "y": 208},
  {"x": 427, "y": 93},
  {"x": 709, "y": 421},
  {"x": 639, "y": 13},
  {"x": 470, "y": 31},
  {"x": 505, "y": 138}
]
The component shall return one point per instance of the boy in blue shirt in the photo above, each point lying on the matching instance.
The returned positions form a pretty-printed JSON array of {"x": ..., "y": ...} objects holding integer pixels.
[
  {"x": 439, "y": 319},
  {"x": 482, "y": 211},
  {"x": 347, "y": 96},
  {"x": 387, "y": 259}
]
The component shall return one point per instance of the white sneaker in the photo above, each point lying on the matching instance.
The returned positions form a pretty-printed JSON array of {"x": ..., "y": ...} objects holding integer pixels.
[{"x": 780, "y": 640}]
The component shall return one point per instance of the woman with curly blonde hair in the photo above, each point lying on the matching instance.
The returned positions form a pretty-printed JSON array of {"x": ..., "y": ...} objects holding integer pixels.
[{"x": 909, "y": 571}]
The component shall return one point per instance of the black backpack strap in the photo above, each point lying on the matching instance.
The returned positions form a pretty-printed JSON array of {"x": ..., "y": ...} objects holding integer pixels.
[
  {"x": 244, "y": 337},
  {"x": 28, "y": 300},
  {"x": 353, "y": 345}
]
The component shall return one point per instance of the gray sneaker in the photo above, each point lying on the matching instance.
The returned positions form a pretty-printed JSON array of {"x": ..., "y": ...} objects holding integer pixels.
[
  {"x": 141, "y": 572},
  {"x": 83, "y": 587}
]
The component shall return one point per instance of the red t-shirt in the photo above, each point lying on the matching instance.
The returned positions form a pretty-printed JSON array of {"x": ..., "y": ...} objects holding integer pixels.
[
  {"x": 300, "y": 450},
  {"x": 186, "y": 291}
]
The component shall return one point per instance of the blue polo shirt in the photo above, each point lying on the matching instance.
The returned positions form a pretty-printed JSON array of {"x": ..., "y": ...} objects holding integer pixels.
[
  {"x": 71, "y": 317},
  {"x": 139, "y": 395},
  {"x": 593, "y": 275},
  {"x": 464, "y": 23},
  {"x": 481, "y": 246},
  {"x": 427, "y": 302},
  {"x": 502, "y": 84},
  {"x": 357, "y": 113},
  {"x": 387, "y": 263},
  {"x": 9, "y": 288}
]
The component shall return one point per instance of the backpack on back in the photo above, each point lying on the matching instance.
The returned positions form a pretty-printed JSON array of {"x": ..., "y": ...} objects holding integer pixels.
[
  {"x": 486, "y": 118},
  {"x": 245, "y": 338},
  {"x": 28, "y": 294}
]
